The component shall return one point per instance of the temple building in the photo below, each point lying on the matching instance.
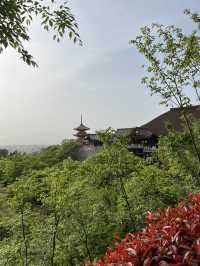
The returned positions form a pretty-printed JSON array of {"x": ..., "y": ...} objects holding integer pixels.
[
  {"x": 143, "y": 140},
  {"x": 140, "y": 140}
]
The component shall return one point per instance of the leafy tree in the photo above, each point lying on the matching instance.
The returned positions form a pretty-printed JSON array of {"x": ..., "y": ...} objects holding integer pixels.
[
  {"x": 153, "y": 187},
  {"x": 68, "y": 213},
  {"x": 107, "y": 136},
  {"x": 3, "y": 153},
  {"x": 173, "y": 64},
  {"x": 57, "y": 153},
  {"x": 17, "y": 15},
  {"x": 194, "y": 16},
  {"x": 106, "y": 173},
  {"x": 20, "y": 203},
  {"x": 16, "y": 165},
  {"x": 7, "y": 171},
  {"x": 175, "y": 151}
]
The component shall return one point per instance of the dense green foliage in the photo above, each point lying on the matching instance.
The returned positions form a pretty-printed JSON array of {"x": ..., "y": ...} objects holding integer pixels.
[
  {"x": 14, "y": 165},
  {"x": 66, "y": 212}
]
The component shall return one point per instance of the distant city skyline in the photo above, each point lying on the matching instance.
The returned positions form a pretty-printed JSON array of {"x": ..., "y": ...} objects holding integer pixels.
[{"x": 100, "y": 80}]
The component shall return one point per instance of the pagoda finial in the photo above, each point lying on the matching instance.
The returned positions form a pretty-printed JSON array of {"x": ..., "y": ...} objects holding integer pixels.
[{"x": 81, "y": 119}]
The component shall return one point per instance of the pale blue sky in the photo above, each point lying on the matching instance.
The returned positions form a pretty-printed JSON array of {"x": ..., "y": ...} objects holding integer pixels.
[{"x": 101, "y": 80}]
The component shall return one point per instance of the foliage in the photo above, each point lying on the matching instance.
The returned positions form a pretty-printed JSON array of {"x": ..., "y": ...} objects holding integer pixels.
[
  {"x": 16, "y": 17},
  {"x": 150, "y": 187},
  {"x": 173, "y": 62},
  {"x": 194, "y": 16},
  {"x": 67, "y": 214},
  {"x": 176, "y": 151},
  {"x": 170, "y": 238},
  {"x": 106, "y": 136},
  {"x": 173, "y": 66},
  {"x": 3, "y": 153},
  {"x": 57, "y": 153},
  {"x": 16, "y": 165}
]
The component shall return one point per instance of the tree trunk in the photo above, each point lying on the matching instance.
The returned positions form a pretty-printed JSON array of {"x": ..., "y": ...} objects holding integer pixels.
[
  {"x": 125, "y": 196},
  {"x": 195, "y": 148},
  {"x": 25, "y": 257},
  {"x": 56, "y": 223},
  {"x": 86, "y": 240}
]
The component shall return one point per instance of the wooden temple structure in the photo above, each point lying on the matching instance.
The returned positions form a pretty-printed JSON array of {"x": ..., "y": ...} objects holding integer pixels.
[{"x": 143, "y": 140}]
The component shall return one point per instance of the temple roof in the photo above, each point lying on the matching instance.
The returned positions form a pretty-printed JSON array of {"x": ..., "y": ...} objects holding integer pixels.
[
  {"x": 80, "y": 134},
  {"x": 158, "y": 126},
  {"x": 81, "y": 127}
]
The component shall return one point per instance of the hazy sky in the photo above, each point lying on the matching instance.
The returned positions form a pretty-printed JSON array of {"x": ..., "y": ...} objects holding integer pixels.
[{"x": 101, "y": 80}]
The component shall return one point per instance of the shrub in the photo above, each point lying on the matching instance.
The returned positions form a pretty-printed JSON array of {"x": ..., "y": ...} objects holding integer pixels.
[{"x": 172, "y": 237}]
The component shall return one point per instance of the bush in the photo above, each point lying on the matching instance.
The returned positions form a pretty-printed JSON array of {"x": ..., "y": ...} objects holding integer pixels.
[{"x": 172, "y": 237}]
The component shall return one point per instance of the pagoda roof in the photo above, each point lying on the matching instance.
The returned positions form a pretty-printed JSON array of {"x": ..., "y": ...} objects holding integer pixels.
[
  {"x": 81, "y": 127},
  {"x": 80, "y": 134}
]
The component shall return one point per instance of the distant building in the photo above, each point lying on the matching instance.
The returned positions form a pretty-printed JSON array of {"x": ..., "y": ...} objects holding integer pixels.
[
  {"x": 81, "y": 132},
  {"x": 84, "y": 137},
  {"x": 143, "y": 140},
  {"x": 93, "y": 140}
]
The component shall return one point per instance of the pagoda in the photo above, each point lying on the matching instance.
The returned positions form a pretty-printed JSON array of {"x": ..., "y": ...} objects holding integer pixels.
[{"x": 81, "y": 133}]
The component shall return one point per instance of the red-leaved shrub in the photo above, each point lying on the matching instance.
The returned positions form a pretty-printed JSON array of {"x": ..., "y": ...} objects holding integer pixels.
[{"x": 172, "y": 237}]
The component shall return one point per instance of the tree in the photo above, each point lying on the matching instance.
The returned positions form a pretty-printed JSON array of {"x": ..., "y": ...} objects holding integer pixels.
[
  {"x": 173, "y": 64},
  {"x": 17, "y": 15},
  {"x": 68, "y": 213},
  {"x": 152, "y": 187},
  {"x": 3, "y": 153},
  {"x": 175, "y": 151},
  {"x": 23, "y": 192}
]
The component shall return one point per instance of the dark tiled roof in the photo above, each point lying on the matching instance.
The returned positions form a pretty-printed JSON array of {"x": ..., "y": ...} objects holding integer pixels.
[
  {"x": 81, "y": 128},
  {"x": 80, "y": 134},
  {"x": 173, "y": 117}
]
